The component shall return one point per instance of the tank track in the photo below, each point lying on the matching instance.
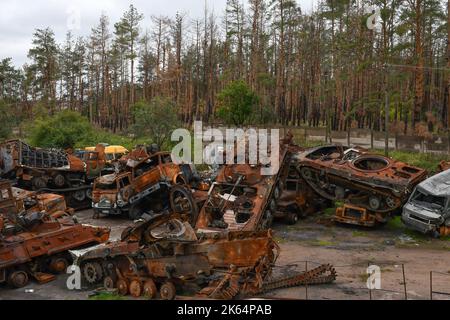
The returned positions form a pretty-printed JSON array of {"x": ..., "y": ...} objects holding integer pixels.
[
  {"x": 366, "y": 191},
  {"x": 323, "y": 274}
]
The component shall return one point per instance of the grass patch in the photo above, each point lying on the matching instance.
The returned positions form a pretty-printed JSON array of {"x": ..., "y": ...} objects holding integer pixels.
[
  {"x": 329, "y": 212},
  {"x": 396, "y": 224},
  {"x": 107, "y": 296},
  {"x": 323, "y": 243},
  {"x": 356, "y": 234},
  {"x": 426, "y": 161}
]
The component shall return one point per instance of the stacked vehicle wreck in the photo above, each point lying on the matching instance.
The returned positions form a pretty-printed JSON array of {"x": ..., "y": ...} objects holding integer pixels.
[
  {"x": 52, "y": 170},
  {"x": 35, "y": 243},
  {"x": 372, "y": 187},
  {"x": 164, "y": 252}
]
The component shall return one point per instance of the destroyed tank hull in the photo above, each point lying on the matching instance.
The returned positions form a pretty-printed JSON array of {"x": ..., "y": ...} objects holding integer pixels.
[
  {"x": 374, "y": 183},
  {"x": 163, "y": 255},
  {"x": 242, "y": 198},
  {"x": 36, "y": 234},
  {"x": 43, "y": 251}
]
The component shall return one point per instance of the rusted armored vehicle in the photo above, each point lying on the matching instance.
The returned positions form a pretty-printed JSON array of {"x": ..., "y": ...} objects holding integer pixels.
[
  {"x": 371, "y": 186},
  {"x": 163, "y": 255},
  {"x": 428, "y": 208},
  {"x": 241, "y": 198},
  {"x": 142, "y": 187},
  {"x": 53, "y": 171},
  {"x": 35, "y": 244}
]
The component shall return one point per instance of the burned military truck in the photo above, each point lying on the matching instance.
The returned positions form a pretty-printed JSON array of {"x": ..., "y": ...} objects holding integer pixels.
[
  {"x": 371, "y": 186},
  {"x": 428, "y": 208},
  {"x": 146, "y": 186},
  {"x": 34, "y": 243},
  {"x": 51, "y": 170}
]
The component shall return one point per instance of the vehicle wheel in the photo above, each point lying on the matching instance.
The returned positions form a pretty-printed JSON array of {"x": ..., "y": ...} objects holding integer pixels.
[
  {"x": 18, "y": 279},
  {"x": 150, "y": 290},
  {"x": 135, "y": 288},
  {"x": 135, "y": 212},
  {"x": 168, "y": 291},
  {"x": 59, "y": 265},
  {"x": 79, "y": 195},
  {"x": 92, "y": 272},
  {"x": 109, "y": 283},
  {"x": 59, "y": 180},
  {"x": 374, "y": 203},
  {"x": 122, "y": 287},
  {"x": 181, "y": 201},
  {"x": 291, "y": 218},
  {"x": 39, "y": 183},
  {"x": 89, "y": 193}
]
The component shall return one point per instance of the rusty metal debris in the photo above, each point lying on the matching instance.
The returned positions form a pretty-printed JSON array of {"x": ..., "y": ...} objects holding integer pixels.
[
  {"x": 34, "y": 243},
  {"x": 243, "y": 199},
  {"x": 374, "y": 186},
  {"x": 163, "y": 253},
  {"x": 53, "y": 171}
]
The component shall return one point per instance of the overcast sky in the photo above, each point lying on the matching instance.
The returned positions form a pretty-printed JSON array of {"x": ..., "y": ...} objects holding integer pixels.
[{"x": 19, "y": 19}]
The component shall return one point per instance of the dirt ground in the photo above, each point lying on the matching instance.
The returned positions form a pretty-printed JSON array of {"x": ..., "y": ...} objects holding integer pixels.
[{"x": 318, "y": 241}]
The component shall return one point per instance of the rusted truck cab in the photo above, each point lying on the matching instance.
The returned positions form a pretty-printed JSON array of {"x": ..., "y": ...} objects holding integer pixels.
[
  {"x": 428, "y": 208},
  {"x": 131, "y": 191}
]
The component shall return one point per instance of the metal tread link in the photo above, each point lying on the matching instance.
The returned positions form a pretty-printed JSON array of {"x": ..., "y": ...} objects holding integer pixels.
[{"x": 312, "y": 277}]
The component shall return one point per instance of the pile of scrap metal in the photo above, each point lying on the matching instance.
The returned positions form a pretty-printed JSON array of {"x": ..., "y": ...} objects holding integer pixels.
[
  {"x": 35, "y": 243},
  {"x": 428, "y": 209},
  {"x": 54, "y": 171},
  {"x": 372, "y": 187},
  {"x": 143, "y": 185},
  {"x": 242, "y": 198},
  {"x": 163, "y": 254}
]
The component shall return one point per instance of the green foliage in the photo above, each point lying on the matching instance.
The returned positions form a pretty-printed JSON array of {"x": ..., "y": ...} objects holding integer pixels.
[
  {"x": 426, "y": 161},
  {"x": 66, "y": 129},
  {"x": 6, "y": 120},
  {"x": 236, "y": 103},
  {"x": 155, "y": 120}
]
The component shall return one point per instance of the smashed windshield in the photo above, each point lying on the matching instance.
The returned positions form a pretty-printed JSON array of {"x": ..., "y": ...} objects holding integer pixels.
[
  {"x": 105, "y": 186},
  {"x": 429, "y": 200}
]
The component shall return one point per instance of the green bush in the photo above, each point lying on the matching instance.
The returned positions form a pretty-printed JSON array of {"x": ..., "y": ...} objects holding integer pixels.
[
  {"x": 155, "y": 120},
  {"x": 66, "y": 129},
  {"x": 237, "y": 103},
  {"x": 6, "y": 120}
]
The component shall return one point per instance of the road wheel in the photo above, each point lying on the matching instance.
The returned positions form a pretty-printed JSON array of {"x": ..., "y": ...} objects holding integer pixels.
[
  {"x": 18, "y": 279},
  {"x": 122, "y": 287},
  {"x": 291, "y": 218},
  {"x": 150, "y": 290},
  {"x": 374, "y": 203},
  {"x": 39, "y": 183},
  {"x": 168, "y": 291},
  {"x": 109, "y": 283},
  {"x": 135, "y": 288},
  {"x": 59, "y": 180},
  {"x": 59, "y": 265},
  {"x": 79, "y": 195}
]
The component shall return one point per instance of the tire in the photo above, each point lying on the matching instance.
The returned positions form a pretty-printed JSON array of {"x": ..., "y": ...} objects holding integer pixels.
[
  {"x": 150, "y": 290},
  {"x": 187, "y": 195},
  {"x": 122, "y": 287},
  {"x": 135, "y": 212},
  {"x": 291, "y": 218},
  {"x": 18, "y": 279},
  {"x": 168, "y": 291},
  {"x": 136, "y": 288}
]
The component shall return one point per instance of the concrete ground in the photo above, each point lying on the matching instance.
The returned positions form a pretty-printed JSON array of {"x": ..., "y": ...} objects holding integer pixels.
[{"x": 318, "y": 240}]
